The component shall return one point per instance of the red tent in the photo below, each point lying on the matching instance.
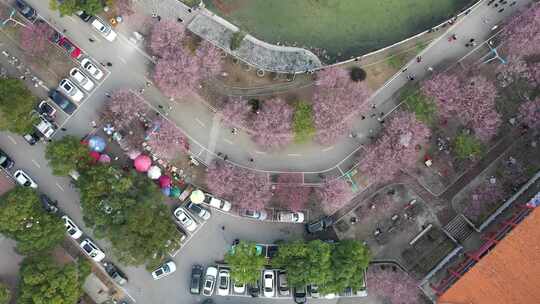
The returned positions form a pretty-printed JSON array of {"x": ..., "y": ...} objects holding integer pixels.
[
  {"x": 142, "y": 163},
  {"x": 95, "y": 155}
]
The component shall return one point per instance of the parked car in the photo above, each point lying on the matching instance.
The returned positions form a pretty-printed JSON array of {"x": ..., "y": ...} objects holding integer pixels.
[
  {"x": 5, "y": 161},
  {"x": 32, "y": 138},
  {"x": 209, "y": 281},
  {"x": 256, "y": 215},
  {"x": 239, "y": 288},
  {"x": 70, "y": 48},
  {"x": 199, "y": 210},
  {"x": 104, "y": 29},
  {"x": 48, "y": 204},
  {"x": 62, "y": 102},
  {"x": 283, "y": 285},
  {"x": 314, "y": 291},
  {"x": 268, "y": 283},
  {"x": 320, "y": 225},
  {"x": 118, "y": 276},
  {"x": 83, "y": 15},
  {"x": 185, "y": 219},
  {"x": 217, "y": 203},
  {"x": 290, "y": 217},
  {"x": 164, "y": 270},
  {"x": 46, "y": 109},
  {"x": 70, "y": 90},
  {"x": 26, "y": 10},
  {"x": 45, "y": 127},
  {"x": 92, "y": 250},
  {"x": 196, "y": 279},
  {"x": 300, "y": 295},
  {"x": 255, "y": 289},
  {"x": 91, "y": 69},
  {"x": 224, "y": 279},
  {"x": 72, "y": 230},
  {"x": 81, "y": 79},
  {"x": 55, "y": 37},
  {"x": 24, "y": 179},
  {"x": 183, "y": 234}
]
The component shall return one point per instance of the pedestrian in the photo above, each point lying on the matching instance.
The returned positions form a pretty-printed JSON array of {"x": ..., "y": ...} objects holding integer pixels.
[
  {"x": 179, "y": 20},
  {"x": 373, "y": 106},
  {"x": 160, "y": 106},
  {"x": 94, "y": 124},
  {"x": 225, "y": 157},
  {"x": 234, "y": 131},
  {"x": 430, "y": 69},
  {"x": 454, "y": 36},
  {"x": 91, "y": 40},
  {"x": 251, "y": 160},
  {"x": 109, "y": 64},
  {"x": 63, "y": 129},
  {"x": 362, "y": 117},
  {"x": 419, "y": 59},
  {"x": 501, "y": 10},
  {"x": 219, "y": 154},
  {"x": 148, "y": 84},
  {"x": 471, "y": 40},
  {"x": 372, "y": 115},
  {"x": 404, "y": 70},
  {"x": 411, "y": 77},
  {"x": 108, "y": 94},
  {"x": 141, "y": 90},
  {"x": 381, "y": 114},
  {"x": 223, "y": 228}
]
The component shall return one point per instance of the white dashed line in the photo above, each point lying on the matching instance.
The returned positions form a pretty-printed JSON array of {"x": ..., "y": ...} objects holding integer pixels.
[
  {"x": 59, "y": 187},
  {"x": 328, "y": 149},
  {"x": 228, "y": 141},
  {"x": 36, "y": 163},
  {"x": 200, "y": 122},
  {"x": 123, "y": 60},
  {"x": 260, "y": 152},
  {"x": 294, "y": 154},
  {"x": 12, "y": 139}
]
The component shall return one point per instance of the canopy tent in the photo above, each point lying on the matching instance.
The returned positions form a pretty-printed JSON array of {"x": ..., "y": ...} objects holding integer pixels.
[
  {"x": 154, "y": 172},
  {"x": 104, "y": 159},
  {"x": 142, "y": 163},
  {"x": 197, "y": 196},
  {"x": 97, "y": 143}
]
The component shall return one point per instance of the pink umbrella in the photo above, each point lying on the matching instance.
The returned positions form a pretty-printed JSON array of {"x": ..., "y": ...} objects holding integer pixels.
[
  {"x": 142, "y": 163},
  {"x": 164, "y": 181},
  {"x": 95, "y": 155},
  {"x": 104, "y": 158}
]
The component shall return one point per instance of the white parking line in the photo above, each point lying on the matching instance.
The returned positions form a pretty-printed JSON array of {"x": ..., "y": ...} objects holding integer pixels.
[
  {"x": 328, "y": 149},
  {"x": 200, "y": 122},
  {"x": 294, "y": 154},
  {"x": 260, "y": 152},
  {"x": 123, "y": 60},
  {"x": 59, "y": 187},
  {"x": 12, "y": 139},
  {"x": 228, "y": 141},
  {"x": 36, "y": 163}
]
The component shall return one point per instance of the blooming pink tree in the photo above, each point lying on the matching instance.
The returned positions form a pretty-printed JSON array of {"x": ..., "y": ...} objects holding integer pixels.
[
  {"x": 395, "y": 286},
  {"x": 124, "y": 7},
  {"x": 336, "y": 99},
  {"x": 334, "y": 194},
  {"x": 122, "y": 108},
  {"x": 470, "y": 100},
  {"x": 290, "y": 191},
  {"x": 167, "y": 140},
  {"x": 529, "y": 113},
  {"x": 272, "y": 127},
  {"x": 245, "y": 188},
  {"x": 34, "y": 38},
  {"x": 166, "y": 38},
  {"x": 398, "y": 148},
  {"x": 522, "y": 33},
  {"x": 235, "y": 112},
  {"x": 483, "y": 198}
]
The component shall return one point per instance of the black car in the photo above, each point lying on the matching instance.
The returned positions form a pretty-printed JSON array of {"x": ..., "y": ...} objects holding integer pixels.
[
  {"x": 254, "y": 289},
  {"x": 300, "y": 295},
  {"x": 55, "y": 37},
  {"x": 48, "y": 204},
  {"x": 196, "y": 279},
  {"x": 319, "y": 225},
  {"x": 83, "y": 15},
  {"x": 5, "y": 161},
  {"x": 26, "y": 10},
  {"x": 62, "y": 101}
]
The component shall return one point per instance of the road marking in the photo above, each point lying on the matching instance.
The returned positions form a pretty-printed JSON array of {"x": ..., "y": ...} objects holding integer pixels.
[
  {"x": 294, "y": 154},
  {"x": 123, "y": 60},
  {"x": 328, "y": 149},
  {"x": 200, "y": 122},
  {"x": 260, "y": 152},
  {"x": 12, "y": 139},
  {"x": 59, "y": 187},
  {"x": 228, "y": 141},
  {"x": 36, "y": 163}
]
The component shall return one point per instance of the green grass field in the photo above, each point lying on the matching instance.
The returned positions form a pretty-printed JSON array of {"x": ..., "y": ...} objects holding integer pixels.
[{"x": 343, "y": 28}]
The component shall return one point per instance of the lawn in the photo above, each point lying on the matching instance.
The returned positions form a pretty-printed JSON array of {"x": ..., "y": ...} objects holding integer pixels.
[{"x": 338, "y": 28}]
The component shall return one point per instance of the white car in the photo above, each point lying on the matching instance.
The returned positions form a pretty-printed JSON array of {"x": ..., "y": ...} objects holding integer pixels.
[
  {"x": 46, "y": 128},
  {"x": 256, "y": 215},
  {"x": 92, "y": 250},
  {"x": 91, "y": 69},
  {"x": 291, "y": 217},
  {"x": 71, "y": 229},
  {"x": 104, "y": 29},
  {"x": 24, "y": 179},
  {"x": 164, "y": 270},
  {"x": 239, "y": 288},
  {"x": 268, "y": 283},
  {"x": 209, "y": 281},
  {"x": 70, "y": 90},
  {"x": 82, "y": 80},
  {"x": 224, "y": 279},
  {"x": 220, "y": 204},
  {"x": 185, "y": 219}
]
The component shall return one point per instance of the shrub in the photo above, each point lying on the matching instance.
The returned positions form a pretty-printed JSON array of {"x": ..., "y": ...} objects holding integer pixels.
[
  {"x": 467, "y": 146},
  {"x": 358, "y": 74},
  {"x": 303, "y": 125},
  {"x": 236, "y": 39}
]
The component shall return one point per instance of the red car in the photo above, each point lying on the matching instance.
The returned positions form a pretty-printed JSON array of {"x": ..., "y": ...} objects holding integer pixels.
[{"x": 74, "y": 51}]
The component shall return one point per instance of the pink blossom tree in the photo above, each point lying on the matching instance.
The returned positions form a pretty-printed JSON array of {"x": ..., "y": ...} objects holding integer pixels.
[
  {"x": 334, "y": 194},
  {"x": 235, "y": 112},
  {"x": 272, "y": 127},
  {"x": 482, "y": 198},
  {"x": 245, "y": 188},
  {"x": 122, "y": 108},
  {"x": 166, "y": 38},
  {"x": 34, "y": 38},
  {"x": 167, "y": 141},
  {"x": 522, "y": 32},
  {"x": 470, "y": 100},
  {"x": 290, "y": 191},
  {"x": 529, "y": 113},
  {"x": 336, "y": 99},
  {"x": 124, "y": 7},
  {"x": 398, "y": 148},
  {"x": 395, "y": 286}
]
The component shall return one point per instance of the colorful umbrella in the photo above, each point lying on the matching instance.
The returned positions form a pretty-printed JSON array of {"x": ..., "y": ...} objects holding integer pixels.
[
  {"x": 197, "y": 196},
  {"x": 95, "y": 155},
  {"x": 97, "y": 143},
  {"x": 166, "y": 191},
  {"x": 142, "y": 163},
  {"x": 104, "y": 158},
  {"x": 175, "y": 192},
  {"x": 164, "y": 181},
  {"x": 154, "y": 172}
]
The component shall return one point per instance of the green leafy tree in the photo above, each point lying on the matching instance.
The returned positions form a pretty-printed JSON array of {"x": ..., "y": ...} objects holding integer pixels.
[
  {"x": 303, "y": 125},
  {"x": 305, "y": 263},
  {"x": 69, "y": 7},
  {"x": 5, "y": 294},
  {"x": 67, "y": 154},
  {"x": 349, "y": 261},
  {"x": 245, "y": 263},
  {"x": 45, "y": 282},
  {"x": 23, "y": 219},
  {"x": 16, "y": 105},
  {"x": 236, "y": 39},
  {"x": 467, "y": 146},
  {"x": 422, "y": 106}
]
